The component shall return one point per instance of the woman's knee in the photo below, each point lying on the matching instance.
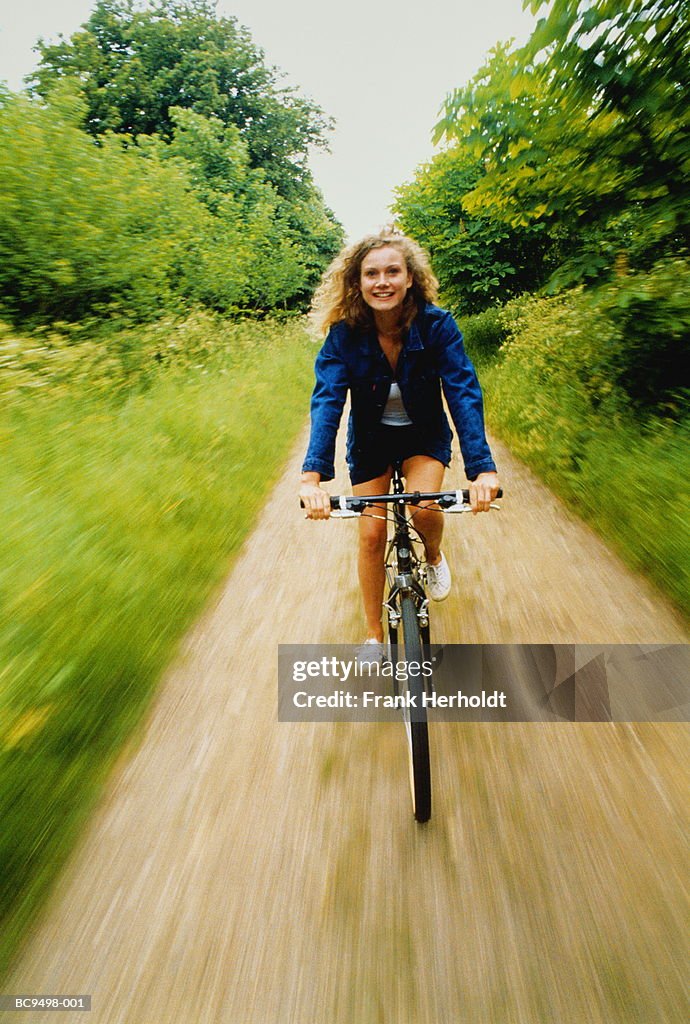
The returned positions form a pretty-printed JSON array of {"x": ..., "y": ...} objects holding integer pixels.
[
  {"x": 428, "y": 516},
  {"x": 372, "y": 537}
]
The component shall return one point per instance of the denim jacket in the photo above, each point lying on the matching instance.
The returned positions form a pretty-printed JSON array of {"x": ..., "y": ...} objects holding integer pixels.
[{"x": 432, "y": 356}]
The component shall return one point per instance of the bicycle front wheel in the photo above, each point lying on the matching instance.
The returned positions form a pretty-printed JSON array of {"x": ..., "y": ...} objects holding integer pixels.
[{"x": 416, "y": 724}]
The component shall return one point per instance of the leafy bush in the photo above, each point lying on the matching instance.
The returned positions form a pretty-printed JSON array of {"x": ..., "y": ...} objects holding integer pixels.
[
  {"x": 621, "y": 350},
  {"x": 100, "y": 228},
  {"x": 561, "y": 392},
  {"x": 87, "y": 228},
  {"x": 549, "y": 380},
  {"x": 104, "y": 360},
  {"x": 649, "y": 350},
  {"x": 484, "y": 333}
]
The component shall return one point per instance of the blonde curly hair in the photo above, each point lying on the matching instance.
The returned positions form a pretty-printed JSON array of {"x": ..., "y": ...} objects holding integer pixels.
[{"x": 339, "y": 296}]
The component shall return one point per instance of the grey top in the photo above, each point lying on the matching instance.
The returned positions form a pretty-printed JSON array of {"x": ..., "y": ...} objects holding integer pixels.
[{"x": 395, "y": 413}]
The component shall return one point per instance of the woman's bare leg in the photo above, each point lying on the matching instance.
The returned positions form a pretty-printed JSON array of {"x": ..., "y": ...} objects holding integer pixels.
[
  {"x": 422, "y": 473},
  {"x": 372, "y": 548}
]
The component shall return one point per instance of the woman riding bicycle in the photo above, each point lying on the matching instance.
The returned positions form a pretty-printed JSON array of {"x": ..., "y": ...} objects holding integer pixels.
[{"x": 393, "y": 350}]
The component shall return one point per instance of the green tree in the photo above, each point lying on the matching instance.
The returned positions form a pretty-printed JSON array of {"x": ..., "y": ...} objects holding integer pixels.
[
  {"x": 527, "y": 139},
  {"x": 175, "y": 72},
  {"x": 585, "y": 132},
  {"x": 281, "y": 246},
  {"x": 626, "y": 63},
  {"x": 89, "y": 229},
  {"x": 479, "y": 260},
  {"x": 134, "y": 66}
]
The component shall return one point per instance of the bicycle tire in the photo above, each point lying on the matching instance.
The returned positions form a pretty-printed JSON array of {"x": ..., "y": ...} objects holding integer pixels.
[{"x": 416, "y": 724}]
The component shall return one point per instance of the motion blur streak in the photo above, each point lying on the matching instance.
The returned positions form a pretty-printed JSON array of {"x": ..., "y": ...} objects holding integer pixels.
[{"x": 246, "y": 871}]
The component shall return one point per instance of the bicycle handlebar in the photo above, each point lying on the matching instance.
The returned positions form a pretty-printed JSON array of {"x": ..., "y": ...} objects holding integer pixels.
[{"x": 357, "y": 503}]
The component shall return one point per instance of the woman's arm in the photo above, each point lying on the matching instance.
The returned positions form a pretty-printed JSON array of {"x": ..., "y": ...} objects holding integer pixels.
[
  {"x": 463, "y": 395},
  {"x": 327, "y": 402}
]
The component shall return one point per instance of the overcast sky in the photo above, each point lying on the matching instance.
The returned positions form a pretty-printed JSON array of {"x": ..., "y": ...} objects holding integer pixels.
[{"x": 380, "y": 69}]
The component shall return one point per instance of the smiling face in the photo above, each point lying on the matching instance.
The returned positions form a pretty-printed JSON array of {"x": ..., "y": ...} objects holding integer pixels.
[{"x": 384, "y": 279}]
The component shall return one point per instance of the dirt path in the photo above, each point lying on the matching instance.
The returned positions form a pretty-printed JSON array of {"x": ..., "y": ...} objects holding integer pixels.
[{"x": 244, "y": 871}]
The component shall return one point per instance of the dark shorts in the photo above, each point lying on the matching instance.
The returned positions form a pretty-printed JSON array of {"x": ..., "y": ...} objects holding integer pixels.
[{"x": 387, "y": 446}]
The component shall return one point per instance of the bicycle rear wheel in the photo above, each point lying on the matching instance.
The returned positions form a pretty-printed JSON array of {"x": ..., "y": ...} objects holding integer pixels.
[{"x": 415, "y": 718}]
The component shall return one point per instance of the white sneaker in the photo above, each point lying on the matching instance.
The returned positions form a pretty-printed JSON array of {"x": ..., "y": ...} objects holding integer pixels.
[
  {"x": 371, "y": 652},
  {"x": 438, "y": 580}
]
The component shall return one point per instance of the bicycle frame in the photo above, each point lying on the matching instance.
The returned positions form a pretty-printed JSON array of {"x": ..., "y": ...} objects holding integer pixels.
[
  {"x": 407, "y": 607},
  {"x": 405, "y": 575}
]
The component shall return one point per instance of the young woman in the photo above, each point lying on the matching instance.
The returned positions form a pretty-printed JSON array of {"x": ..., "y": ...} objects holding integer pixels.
[{"x": 393, "y": 350}]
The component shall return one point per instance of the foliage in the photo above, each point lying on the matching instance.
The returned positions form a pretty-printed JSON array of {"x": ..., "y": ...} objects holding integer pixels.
[
  {"x": 649, "y": 354},
  {"x": 135, "y": 66},
  {"x": 86, "y": 228},
  {"x": 555, "y": 394},
  {"x": 96, "y": 229},
  {"x": 626, "y": 477},
  {"x": 483, "y": 334},
  {"x": 174, "y": 73},
  {"x": 120, "y": 514},
  {"x": 510, "y": 125},
  {"x": 642, "y": 472},
  {"x": 584, "y": 136},
  {"x": 114, "y": 361},
  {"x": 549, "y": 381},
  {"x": 628, "y": 65},
  {"x": 623, "y": 349},
  {"x": 477, "y": 259},
  {"x": 253, "y": 257}
]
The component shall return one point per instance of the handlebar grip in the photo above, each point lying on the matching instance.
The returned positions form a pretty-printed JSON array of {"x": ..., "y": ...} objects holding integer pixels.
[
  {"x": 466, "y": 494},
  {"x": 336, "y": 505}
]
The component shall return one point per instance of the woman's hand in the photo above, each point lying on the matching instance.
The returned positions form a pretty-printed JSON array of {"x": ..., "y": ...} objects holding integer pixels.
[
  {"x": 316, "y": 501},
  {"x": 483, "y": 490}
]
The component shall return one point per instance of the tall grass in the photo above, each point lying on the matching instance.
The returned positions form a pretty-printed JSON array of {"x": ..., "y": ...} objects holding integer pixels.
[{"x": 121, "y": 509}]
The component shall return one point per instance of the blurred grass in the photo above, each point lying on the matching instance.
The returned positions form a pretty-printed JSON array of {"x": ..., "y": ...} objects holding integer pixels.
[{"x": 121, "y": 508}]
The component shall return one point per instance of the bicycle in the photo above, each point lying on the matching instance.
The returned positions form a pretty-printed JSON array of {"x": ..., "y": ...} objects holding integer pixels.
[{"x": 407, "y": 608}]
